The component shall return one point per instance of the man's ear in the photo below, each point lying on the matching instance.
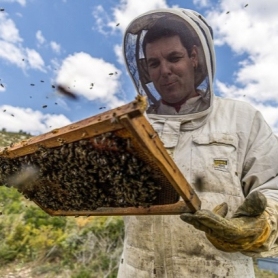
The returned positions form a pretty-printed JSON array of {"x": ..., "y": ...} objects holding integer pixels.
[{"x": 194, "y": 56}]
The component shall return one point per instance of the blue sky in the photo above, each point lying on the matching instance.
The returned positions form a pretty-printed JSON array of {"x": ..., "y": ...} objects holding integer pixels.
[{"x": 78, "y": 44}]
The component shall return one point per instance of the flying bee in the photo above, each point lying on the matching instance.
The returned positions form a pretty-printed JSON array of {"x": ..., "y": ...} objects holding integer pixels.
[{"x": 62, "y": 90}]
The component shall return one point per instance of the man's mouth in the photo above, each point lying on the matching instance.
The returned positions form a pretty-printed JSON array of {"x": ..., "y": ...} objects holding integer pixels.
[{"x": 169, "y": 84}]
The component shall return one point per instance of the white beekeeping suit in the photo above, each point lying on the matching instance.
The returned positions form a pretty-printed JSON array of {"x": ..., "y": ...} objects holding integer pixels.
[{"x": 225, "y": 143}]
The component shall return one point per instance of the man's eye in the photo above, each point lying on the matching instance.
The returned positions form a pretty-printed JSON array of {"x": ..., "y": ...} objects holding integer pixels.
[
  {"x": 174, "y": 59},
  {"x": 153, "y": 64}
]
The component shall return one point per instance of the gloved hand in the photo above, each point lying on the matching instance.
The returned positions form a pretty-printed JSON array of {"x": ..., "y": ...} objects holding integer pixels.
[{"x": 247, "y": 230}]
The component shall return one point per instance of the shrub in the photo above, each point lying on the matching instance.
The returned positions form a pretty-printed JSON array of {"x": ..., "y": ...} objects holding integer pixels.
[{"x": 85, "y": 246}]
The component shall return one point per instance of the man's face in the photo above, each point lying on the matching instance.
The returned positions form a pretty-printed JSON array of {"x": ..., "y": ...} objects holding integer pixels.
[{"x": 171, "y": 69}]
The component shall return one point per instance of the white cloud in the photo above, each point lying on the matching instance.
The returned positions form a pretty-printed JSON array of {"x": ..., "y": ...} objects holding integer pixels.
[
  {"x": 80, "y": 70},
  {"x": 40, "y": 37},
  {"x": 251, "y": 30},
  {"x": 55, "y": 47},
  {"x": 28, "y": 120},
  {"x": 202, "y": 3},
  {"x": 54, "y": 64},
  {"x": 268, "y": 109},
  {"x": 101, "y": 18},
  {"x": 118, "y": 49},
  {"x": 55, "y": 121},
  {"x": 270, "y": 114},
  {"x": 12, "y": 50},
  {"x": 21, "y": 2},
  {"x": 8, "y": 30},
  {"x": 129, "y": 9},
  {"x": 12, "y": 53},
  {"x": 34, "y": 59},
  {"x": 124, "y": 13},
  {"x": 23, "y": 58}
]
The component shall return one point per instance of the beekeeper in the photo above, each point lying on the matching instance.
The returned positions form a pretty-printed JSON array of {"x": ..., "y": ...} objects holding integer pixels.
[{"x": 224, "y": 148}]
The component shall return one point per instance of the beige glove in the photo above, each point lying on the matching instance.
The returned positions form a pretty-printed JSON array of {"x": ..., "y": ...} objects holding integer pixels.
[{"x": 247, "y": 230}]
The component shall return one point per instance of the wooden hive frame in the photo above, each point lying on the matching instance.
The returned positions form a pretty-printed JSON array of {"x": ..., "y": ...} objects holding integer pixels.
[{"x": 130, "y": 119}]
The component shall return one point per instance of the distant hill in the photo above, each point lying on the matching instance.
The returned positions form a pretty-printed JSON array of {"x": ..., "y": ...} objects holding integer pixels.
[{"x": 7, "y": 138}]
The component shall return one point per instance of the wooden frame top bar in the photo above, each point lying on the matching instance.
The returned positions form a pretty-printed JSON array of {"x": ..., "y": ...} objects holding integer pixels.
[{"x": 87, "y": 128}]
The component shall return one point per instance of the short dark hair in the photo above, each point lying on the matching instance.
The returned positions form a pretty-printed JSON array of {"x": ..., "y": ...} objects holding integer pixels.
[{"x": 169, "y": 28}]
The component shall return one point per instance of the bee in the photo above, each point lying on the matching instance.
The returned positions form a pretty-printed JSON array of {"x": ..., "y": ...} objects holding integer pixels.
[
  {"x": 56, "y": 130},
  {"x": 62, "y": 90},
  {"x": 114, "y": 119},
  {"x": 5, "y": 151},
  {"x": 130, "y": 169}
]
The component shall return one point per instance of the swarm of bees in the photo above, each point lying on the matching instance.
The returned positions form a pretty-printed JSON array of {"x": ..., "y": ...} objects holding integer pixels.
[{"x": 84, "y": 175}]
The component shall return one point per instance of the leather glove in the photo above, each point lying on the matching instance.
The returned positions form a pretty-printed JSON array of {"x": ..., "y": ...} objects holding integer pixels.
[{"x": 247, "y": 230}]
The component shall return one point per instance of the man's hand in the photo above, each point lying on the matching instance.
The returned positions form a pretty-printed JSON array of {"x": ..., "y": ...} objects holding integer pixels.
[{"x": 247, "y": 230}]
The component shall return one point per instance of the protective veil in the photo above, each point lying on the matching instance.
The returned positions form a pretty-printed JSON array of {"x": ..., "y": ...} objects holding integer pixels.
[
  {"x": 194, "y": 27},
  {"x": 225, "y": 143}
]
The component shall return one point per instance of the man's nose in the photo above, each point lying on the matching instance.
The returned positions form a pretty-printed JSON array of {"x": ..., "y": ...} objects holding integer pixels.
[{"x": 165, "y": 69}]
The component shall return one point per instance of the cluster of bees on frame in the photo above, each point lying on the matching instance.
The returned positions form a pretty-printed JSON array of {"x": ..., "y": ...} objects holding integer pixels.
[{"x": 102, "y": 171}]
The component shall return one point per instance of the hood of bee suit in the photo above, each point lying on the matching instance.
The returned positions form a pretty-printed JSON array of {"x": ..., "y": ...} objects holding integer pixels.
[{"x": 201, "y": 33}]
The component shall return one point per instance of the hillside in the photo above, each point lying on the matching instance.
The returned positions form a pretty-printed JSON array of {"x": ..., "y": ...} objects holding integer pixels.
[{"x": 7, "y": 138}]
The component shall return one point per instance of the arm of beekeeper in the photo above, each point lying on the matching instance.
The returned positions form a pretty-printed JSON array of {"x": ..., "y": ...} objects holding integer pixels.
[
  {"x": 260, "y": 173},
  {"x": 253, "y": 228}
]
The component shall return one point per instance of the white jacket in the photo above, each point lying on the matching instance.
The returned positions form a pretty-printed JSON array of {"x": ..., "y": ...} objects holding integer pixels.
[
  {"x": 225, "y": 142},
  {"x": 235, "y": 152}
]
